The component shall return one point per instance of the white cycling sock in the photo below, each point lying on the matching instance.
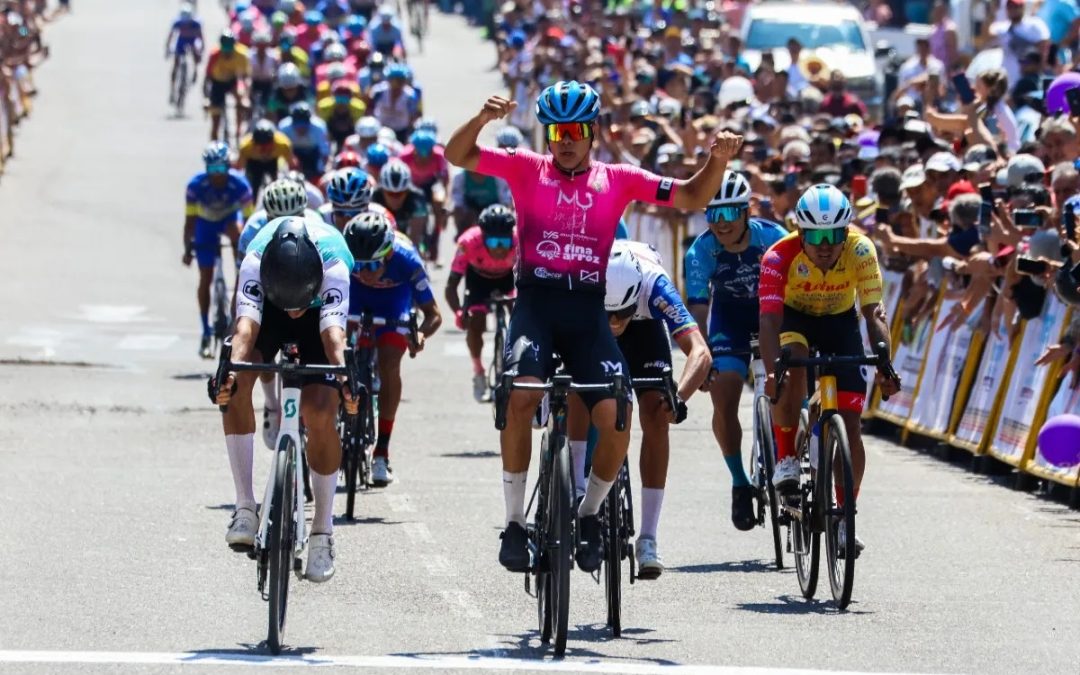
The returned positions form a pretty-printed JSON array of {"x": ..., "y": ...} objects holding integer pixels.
[
  {"x": 241, "y": 448},
  {"x": 651, "y": 501},
  {"x": 578, "y": 450},
  {"x": 270, "y": 394},
  {"x": 514, "y": 495},
  {"x": 323, "y": 489},
  {"x": 594, "y": 495}
]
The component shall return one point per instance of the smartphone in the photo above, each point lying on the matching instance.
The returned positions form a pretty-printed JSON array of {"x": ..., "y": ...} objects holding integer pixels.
[
  {"x": 1027, "y": 218},
  {"x": 938, "y": 215},
  {"x": 986, "y": 211},
  {"x": 1072, "y": 97},
  {"x": 791, "y": 180},
  {"x": 963, "y": 88},
  {"x": 1029, "y": 266},
  {"x": 986, "y": 192},
  {"x": 881, "y": 215}
]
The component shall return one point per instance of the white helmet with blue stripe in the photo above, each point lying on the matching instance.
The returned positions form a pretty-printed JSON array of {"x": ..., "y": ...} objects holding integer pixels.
[{"x": 822, "y": 207}]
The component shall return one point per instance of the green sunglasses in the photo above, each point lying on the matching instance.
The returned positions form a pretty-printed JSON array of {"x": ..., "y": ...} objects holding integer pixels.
[{"x": 832, "y": 236}]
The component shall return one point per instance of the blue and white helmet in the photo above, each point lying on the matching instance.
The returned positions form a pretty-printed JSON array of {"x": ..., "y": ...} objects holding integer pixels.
[
  {"x": 567, "y": 102},
  {"x": 822, "y": 207},
  {"x": 509, "y": 137},
  {"x": 216, "y": 152},
  {"x": 734, "y": 191}
]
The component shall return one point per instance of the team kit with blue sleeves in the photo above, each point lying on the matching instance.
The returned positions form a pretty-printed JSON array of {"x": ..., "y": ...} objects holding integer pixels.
[
  {"x": 729, "y": 283},
  {"x": 404, "y": 282},
  {"x": 214, "y": 208}
]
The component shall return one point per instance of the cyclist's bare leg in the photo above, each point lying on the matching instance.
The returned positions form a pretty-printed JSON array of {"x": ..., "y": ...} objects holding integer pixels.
[
  {"x": 853, "y": 425},
  {"x": 239, "y": 417},
  {"x": 474, "y": 333},
  {"x": 215, "y": 124},
  {"x": 612, "y": 445},
  {"x": 206, "y": 277},
  {"x": 726, "y": 390},
  {"x": 515, "y": 441},
  {"x": 319, "y": 406},
  {"x": 655, "y": 445},
  {"x": 389, "y": 363}
]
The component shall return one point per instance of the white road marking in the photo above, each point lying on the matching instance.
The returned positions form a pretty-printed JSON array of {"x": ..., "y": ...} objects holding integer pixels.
[
  {"x": 45, "y": 339},
  {"x": 438, "y": 566},
  {"x": 112, "y": 313},
  {"x": 418, "y": 533},
  {"x": 438, "y": 663},
  {"x": 462, "y": 602},
  {"x": 147, "y": 341},
  {"x": 400, "y": 503}
]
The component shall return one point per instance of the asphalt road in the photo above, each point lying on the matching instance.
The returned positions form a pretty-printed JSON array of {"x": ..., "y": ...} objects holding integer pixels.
[{"x": 116, "y": 488}]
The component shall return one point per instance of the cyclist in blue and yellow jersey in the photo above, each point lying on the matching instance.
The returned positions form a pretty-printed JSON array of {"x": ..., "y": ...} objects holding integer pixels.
[
  {"x": 722, "y": 268},
  {"x": 187, "y": 31},
  {"x": 218, "y": 200}
]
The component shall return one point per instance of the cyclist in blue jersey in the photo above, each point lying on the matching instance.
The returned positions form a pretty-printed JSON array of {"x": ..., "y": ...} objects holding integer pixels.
[
  {"x": 388, "y": 279},
  {"x": 310, "y": 139},
  {"x": 384, "y": 34},
  {"x": 722, "y": 268},
  {"x": 217, "y": 202},
  {"x": 646, "y": 312},
  {"x": 187, "y": 31}
]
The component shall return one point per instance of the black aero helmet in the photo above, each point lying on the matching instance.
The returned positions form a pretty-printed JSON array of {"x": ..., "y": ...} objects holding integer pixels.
[
  {"x": 263, "y": 132},
  {"x": 369, "y": 236},
  {"x": 497, "y": 221},
  {"x": 291, "y": 269}
]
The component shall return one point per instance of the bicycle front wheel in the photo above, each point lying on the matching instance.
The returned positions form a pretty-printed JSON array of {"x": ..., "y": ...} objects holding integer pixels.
[
  {"x": 839, "y": 504},
  {"x": 560, "y": 542},
  {"x": 805, "y": 541},
  {"x": 611, "y": 515},
  {"x": 497, "y": 346},
  {"x": 281, "y": 542},
  {"x": 766, "y": 464},
  {"x": 350, "y": 451}
]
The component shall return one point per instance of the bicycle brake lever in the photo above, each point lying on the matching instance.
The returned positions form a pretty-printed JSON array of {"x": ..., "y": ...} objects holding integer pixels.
[{"x": 619, "y": 389}]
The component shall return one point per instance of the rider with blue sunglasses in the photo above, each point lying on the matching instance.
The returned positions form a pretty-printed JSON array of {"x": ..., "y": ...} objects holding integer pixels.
[{"x": 722, "y": 286}]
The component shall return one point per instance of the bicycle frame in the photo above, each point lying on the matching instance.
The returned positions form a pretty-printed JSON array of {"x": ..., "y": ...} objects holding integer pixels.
[{"x": 290, "y": 427}]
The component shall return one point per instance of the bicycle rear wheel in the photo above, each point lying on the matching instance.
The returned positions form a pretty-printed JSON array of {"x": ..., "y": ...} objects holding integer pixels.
[
  {"x": 350, "y": 446},
  {"x": 497, "y": 346},
  {"x": 766, "y": 463},
  {"x": 805, "y": 541},
  {"x": 560, "y": 542},
  {"x": 281, "y": 542},
  {"x": 181, "y": 86},
  {"x": 841, "y": 560},
  {"x": 611, "y": 516}
]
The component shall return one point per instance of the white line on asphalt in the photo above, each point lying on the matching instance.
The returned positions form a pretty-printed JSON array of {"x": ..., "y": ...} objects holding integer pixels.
[
  {"x": 438, "y": 566},
  {"x": 112, "y": 313},
  {"x": 147, "y": 341},
  {"x": 425, "y": 662},
  {"x": 400, "y": 504},
  {"x": 462, "y": 602},
  {"x": 418, "y": 533}
]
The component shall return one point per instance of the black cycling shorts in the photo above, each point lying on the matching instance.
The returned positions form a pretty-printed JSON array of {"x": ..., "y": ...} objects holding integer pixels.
[
  {"x": 479, "y": 289},
  {"x": 258, "y": 170},
  {"x": 572, "y": 323},
  {"x": 278, "y": 328},
  {"x": 647, "y": 349},
  {"x": 218, "y": 92},
  {"x": 832, "y": 335}
]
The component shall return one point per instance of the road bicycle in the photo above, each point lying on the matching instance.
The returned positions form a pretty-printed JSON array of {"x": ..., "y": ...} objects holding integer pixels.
[
  {"x": 814, "y": 508},
  {"x": 180, "y": 84},
  {"x": 617, "y": 515},
  {"x": 499, "y": 307},
  {"x": 418, "y": 19},
  {"x": 552, "y": 534},
  {"x": 358, "y": 435},
  {"x": 281, "y": 538},
  {"x": 220, "y": 303}
]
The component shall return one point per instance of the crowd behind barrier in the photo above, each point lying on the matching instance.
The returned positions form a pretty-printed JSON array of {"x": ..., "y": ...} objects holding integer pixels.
[
  {"x": 21, "y": 50},
  {"x": 963, "y": 170}
]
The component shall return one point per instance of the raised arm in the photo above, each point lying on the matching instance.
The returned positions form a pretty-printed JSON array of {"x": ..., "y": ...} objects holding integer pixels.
[
  {"x": 695, "y": 192},
  {"x": 461, "y": 149}
]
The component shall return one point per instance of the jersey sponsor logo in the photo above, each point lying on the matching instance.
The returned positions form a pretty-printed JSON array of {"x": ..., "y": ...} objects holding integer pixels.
[
  {"x": 545, "y": 273},
  {"x": 575, "y": 252},
  {"x": 611, "y": 367},
  {"x": 332, "y": 297},
  {"x": 663, "y": 190},
  {"x": 253, "y": 291},
  {"x": 674, "y": 312},
  {"x": 590, "y": 277},
  {"x": 656, "y": 364},
  {"x": 574, "y": 200},
  {"x": 802, "y": 270},
  {"x": 290, "y": 408},
  {"x": 548, "y": 249},
  {"x": 822, "y": 287},
  {"x": 862, "y": 249},
  {"x": 551, "y": 235},
  {"x": 423, "y": 285}
]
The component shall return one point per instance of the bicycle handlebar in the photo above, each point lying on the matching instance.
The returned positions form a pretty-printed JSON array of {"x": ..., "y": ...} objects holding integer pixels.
[
  {"x": 880, "y": 359},
  {"x": 368, "y": 321},
  {"x": 667, "y": 385},
  {"x": 561, "y": 384}
]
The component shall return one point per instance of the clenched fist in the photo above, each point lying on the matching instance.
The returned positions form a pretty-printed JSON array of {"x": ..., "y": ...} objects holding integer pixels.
[
  {"x": 496, "y": 108},
  {"x": 726, "y": 145}
]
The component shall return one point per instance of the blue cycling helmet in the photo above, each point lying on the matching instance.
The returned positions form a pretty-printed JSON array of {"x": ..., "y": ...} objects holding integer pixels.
[
  {"x": 216, "y": 152},
  {"x": 822, "y": 207},
  {"x": 509, "y": 137},
  {"x": 349, "y": 189},
  {"x": 313, "y": 17},
  {"x": 423, "y": 141},
  {"x": 397, "y": 70},
  {"x": 428, "y": 124},
  {"x": 355, "y": 24},
  {"x": 377, "y": 155},
  {"x": 567, "y": 102}
]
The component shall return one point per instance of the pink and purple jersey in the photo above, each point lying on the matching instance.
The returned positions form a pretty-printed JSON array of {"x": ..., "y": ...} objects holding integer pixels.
[
  {"x": 436, "y": 168},
  {"x": 472, "y": 252},
  {"x": 566, "y": 225}
]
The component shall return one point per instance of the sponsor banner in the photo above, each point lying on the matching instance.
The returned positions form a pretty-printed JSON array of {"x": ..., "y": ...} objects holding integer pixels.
[
  {"x": 941, "y": 376},
  {"x": 907, "y": 361},
  {"x": 1026, "y": 385},
  {"x": 983, "y": 393},
  {"x": 656, "y": 231}
]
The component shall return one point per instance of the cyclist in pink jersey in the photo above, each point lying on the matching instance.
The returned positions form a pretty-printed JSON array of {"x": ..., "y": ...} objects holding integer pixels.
[
  {"x": 485, "y": 257},
  {"x": 430, "y": 173},
  {"x": 568, "y": 207}
]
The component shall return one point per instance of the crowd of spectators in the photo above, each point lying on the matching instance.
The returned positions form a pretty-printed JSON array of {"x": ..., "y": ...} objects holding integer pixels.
[{"x": 21, "y": 50}]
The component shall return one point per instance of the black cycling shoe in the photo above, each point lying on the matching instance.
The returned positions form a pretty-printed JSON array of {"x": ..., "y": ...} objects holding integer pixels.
[
  {"x": 742, "y": 508},
  {"x": 514, "y": 550},
  {"x": 590, "y": 550}
]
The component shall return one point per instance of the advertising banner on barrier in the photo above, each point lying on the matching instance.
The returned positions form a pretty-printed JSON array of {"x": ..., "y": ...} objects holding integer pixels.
[
  {"x": 892, "y": 283},
  {"x": 1067, "y": 400},
  {"x": 1027, "y": 385},
  {"x": 945, "y": 360},
  {"x": 983, "y": 395},
  {"x": 908, "y": 361}
]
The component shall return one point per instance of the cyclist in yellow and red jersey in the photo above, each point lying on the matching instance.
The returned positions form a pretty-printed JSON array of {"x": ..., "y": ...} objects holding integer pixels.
[
  {"x": 227, "y": 72},
  {"x": 811, "y": 283}
]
